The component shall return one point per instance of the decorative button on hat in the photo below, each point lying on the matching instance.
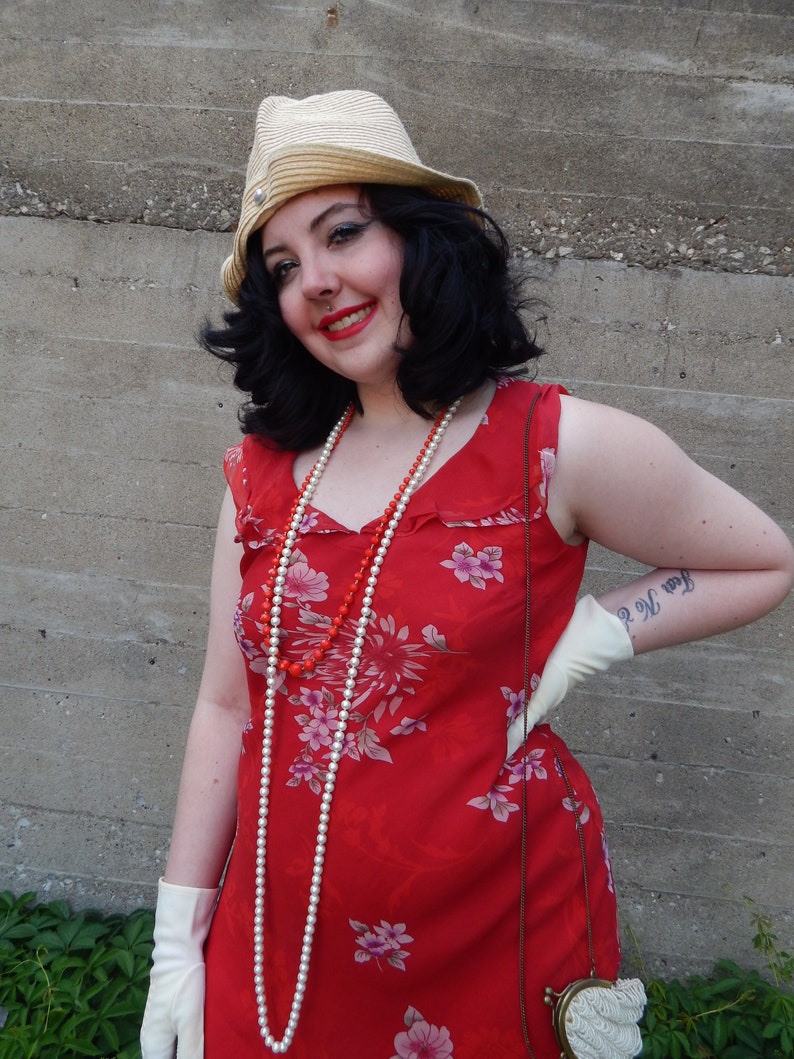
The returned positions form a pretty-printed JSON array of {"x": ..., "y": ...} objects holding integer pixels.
[{"x": 346, "y": 137}]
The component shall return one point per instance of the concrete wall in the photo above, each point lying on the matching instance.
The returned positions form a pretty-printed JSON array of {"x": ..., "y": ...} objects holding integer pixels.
[
  {"x": 644, "y": 128},
  {"x": 603, "y": 135}
]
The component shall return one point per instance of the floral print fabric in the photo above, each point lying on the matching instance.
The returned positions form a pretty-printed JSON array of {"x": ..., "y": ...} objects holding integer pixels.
[{"x": 419, "y": 906}]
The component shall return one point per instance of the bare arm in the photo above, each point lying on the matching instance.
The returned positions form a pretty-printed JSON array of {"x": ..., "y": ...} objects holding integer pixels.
[
  {"x": 719, "y": 562},
  {"x": 206, "y": 809}
]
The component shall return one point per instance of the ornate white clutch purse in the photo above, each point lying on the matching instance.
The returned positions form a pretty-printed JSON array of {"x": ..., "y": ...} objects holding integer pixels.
[{"x": 597, "y": 1019}]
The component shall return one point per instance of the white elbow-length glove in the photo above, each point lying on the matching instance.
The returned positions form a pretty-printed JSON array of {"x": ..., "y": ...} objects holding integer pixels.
[
  {"x": 173, "y": 1022},
  {"x": 591, "y": 641}
]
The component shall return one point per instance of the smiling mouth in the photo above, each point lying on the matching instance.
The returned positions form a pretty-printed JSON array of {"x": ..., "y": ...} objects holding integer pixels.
[{"x": 349, "y": 319}]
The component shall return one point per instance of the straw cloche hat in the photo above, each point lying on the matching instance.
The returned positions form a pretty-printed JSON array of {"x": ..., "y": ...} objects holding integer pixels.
[{"x": 346, "y": 137}]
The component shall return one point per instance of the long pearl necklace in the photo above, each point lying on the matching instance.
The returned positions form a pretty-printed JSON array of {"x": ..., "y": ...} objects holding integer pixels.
[{"x": 274, "y": 671}]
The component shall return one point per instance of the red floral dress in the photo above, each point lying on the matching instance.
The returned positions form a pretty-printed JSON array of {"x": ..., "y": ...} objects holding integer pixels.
[{"x": 416, "y": 951}]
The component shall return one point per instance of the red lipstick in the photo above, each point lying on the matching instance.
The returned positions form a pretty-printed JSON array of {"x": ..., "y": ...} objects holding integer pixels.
[{"x": 359, "y": 316}]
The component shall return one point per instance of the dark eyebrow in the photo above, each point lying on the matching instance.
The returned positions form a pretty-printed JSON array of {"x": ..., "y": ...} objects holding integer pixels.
[
  {"x": 315, "y": 223},
  {"x": 318, "y": 220}
]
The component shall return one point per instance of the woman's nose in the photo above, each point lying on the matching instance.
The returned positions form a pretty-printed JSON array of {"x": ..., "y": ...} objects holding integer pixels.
[{"x": 318, "y": 278}]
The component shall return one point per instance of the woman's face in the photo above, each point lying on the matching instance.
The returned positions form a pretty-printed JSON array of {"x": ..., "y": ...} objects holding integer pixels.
[{"x": 337, "y": 272}]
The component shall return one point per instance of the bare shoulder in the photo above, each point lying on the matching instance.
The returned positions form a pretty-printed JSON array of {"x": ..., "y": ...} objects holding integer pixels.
[
  {"x": 584, "y": 422},
  {"x": 623, "y": 482},
  {"x": 602, "y": 450},
  {"x": 605, "y": 441}
]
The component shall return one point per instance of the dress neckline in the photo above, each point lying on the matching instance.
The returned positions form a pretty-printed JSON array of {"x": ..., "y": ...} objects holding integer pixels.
[{"x": 330, "y": 523}]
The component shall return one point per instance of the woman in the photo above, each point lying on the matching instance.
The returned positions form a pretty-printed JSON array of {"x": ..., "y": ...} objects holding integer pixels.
[{"x": 367, "y": 628}]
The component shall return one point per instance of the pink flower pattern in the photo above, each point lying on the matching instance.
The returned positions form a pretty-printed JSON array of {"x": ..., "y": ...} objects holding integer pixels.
[
  {"x": 515, "y": 703},
  {"x": 529, "y": 766},
  {"x": 607, "y": 862},
  {"x": 385, "y": 942},
  {"x": 391, "y": 664},
  {"x": 436, "y": 639},
  {"x": 422, "y": 1040},
  {"x": 497, "y": 801},
  {"x": 548, "y": 462},
  {"x": 509, "y": 516},
  {"x": 577, "y": 807},
  {"x": 303, "y": 770},
  {"x": 408, "y": 725},
  {"x": 304, "y": 584},
  {"x": 476, "y": 569}
]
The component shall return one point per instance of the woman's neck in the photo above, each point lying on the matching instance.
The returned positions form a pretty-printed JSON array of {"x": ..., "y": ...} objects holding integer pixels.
[
  {"x": 384, "y": 409},
  {"x": 378, "y": 449}
]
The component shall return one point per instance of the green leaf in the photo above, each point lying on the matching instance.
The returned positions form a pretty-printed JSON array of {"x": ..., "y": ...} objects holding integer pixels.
[
  {"x": 8, "y": 902},
  {"x": 748, "y": 1034},
  {"x": 726, "y": 985},
  {"x": 110, "y": 1035},
  {"x": 126, "y": 962},
  {"x": 720, "y": 1035},
  {"x": 650, "y": 1020},
  {"x": 15, "y": 930},
  {"x": 81, "y": 1046}
]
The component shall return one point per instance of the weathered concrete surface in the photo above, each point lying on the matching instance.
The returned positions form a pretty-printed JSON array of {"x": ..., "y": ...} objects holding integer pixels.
[
  {"x": 658, "y": 134},
  {"x": 622, "y": 132},
  {"x": 113, "y": 430}
]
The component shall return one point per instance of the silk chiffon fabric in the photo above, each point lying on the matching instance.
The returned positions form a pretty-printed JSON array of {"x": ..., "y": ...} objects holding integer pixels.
[{"x": 417, "y": 944}]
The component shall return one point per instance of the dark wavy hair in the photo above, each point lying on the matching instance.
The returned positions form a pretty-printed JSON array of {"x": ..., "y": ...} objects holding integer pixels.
[{"x": 457, "y": 290}]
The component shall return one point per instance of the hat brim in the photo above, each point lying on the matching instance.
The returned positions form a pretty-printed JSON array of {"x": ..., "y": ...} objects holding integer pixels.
[{"x": 297, "y": 169}]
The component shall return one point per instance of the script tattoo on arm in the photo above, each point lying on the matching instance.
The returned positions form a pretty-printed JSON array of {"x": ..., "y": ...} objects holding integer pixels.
[{"x": 649, "y": 605}]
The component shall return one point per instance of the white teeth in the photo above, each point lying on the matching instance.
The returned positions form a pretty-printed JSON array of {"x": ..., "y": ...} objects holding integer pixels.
[{"x": 353, "y": 318}]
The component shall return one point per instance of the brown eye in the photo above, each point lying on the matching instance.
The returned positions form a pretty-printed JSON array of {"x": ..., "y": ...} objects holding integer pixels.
[
  {"x": 282, "y": 271},
  {"x": 343, "y": 233}
]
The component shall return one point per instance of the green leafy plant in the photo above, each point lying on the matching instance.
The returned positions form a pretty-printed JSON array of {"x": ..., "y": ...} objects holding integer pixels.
[
  {"x": 730, "y": 1014},
  {"x": 71, "y": 984}
]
